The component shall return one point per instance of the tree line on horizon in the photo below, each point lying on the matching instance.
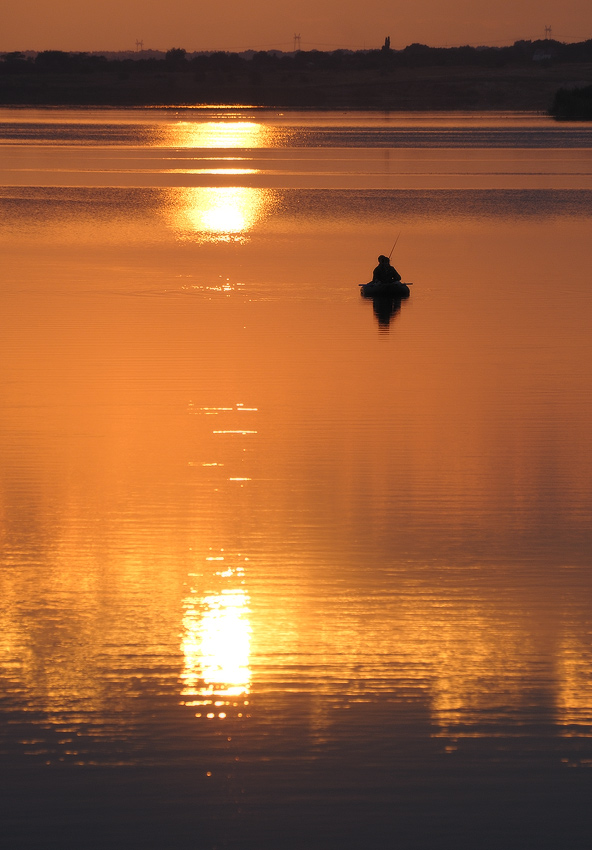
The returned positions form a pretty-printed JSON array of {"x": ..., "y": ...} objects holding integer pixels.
[
  {"x": 414, "y": 55},
  {"x": 526, "y": 75}
]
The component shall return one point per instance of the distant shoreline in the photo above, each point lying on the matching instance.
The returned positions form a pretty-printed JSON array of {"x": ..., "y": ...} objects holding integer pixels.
[
  {"x": 256, "y": 108},
  {"x": 419, "y": 79}
]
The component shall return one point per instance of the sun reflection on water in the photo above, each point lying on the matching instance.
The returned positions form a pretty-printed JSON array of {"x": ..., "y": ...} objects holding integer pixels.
[
  {"x": 216, "y": 644},
  {"x": 574, "y": 686},
  {"x": 217, "y": 213},
  {"x": 218, "y": 134}
]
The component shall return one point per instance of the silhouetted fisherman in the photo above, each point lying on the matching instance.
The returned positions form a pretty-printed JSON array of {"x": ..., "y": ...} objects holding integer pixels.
[{"x": 384, "y": 272}]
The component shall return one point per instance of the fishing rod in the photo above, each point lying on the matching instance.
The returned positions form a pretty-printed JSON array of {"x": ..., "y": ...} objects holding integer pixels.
[{"x": 395, "y": 242}]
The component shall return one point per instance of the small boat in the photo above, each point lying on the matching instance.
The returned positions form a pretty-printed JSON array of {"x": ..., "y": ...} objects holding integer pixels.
[{"x": 390, "y": 289}]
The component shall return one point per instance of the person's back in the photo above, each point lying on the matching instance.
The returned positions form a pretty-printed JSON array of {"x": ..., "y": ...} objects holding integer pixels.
[{"x": 384, "y": 272}]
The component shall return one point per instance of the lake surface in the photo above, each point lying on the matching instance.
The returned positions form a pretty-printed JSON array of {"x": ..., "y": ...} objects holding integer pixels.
[{"x": 283, "y": 567}]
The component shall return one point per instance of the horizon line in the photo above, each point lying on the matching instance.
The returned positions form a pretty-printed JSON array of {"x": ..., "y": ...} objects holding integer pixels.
[{"x": 308, "y": 46}]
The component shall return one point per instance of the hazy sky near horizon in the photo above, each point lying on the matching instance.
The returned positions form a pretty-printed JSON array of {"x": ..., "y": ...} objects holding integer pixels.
[{"x": 261, "y": 25}]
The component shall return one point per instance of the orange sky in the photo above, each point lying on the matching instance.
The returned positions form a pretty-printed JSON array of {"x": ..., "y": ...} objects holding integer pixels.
[{"x": 235, "y": 25}]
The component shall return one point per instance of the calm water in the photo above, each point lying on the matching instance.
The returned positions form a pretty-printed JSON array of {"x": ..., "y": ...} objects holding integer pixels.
[{"x": 281, "y": 567}]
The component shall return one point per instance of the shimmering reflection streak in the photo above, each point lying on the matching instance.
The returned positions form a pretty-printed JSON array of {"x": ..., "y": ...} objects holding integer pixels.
[
  {"x": 216, "y": 648},
  {"x": 214, "y": 214},
  {"x": 216, "y": 626},
  {"x": 217, "y": 214},
  {"x": 574, "y": 687},
  {"x": 217, "y": 134}
]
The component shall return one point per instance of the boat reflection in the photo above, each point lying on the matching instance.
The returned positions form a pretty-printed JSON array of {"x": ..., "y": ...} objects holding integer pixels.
[
  {"x": 216, "y": 643},
  {"x": 386, "y": 303},
  {"x": 217, "y": 214},
  {"x": 385, "y": 310}
]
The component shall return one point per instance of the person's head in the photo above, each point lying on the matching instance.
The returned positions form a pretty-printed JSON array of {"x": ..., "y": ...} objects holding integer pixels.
[{"x": 383, "y": 259}]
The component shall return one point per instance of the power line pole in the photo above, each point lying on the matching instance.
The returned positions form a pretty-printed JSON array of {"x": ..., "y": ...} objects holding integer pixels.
[
  {"x": 296, "y": 42},
  {"x": 547, "y": 32}
]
